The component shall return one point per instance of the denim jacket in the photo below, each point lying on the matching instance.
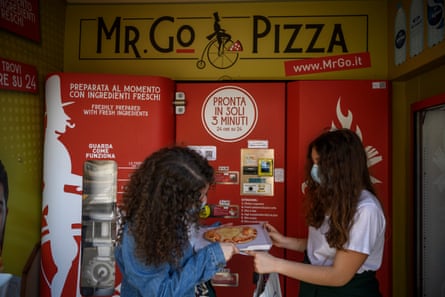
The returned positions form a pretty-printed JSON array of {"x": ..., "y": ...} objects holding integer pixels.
[{"x": 140, "y": 280}]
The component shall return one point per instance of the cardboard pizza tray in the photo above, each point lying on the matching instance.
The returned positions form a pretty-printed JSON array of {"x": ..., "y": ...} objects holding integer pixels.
[{"x": 261, "y": 243}]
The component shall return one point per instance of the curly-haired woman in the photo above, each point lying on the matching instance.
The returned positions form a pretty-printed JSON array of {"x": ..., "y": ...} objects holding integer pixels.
[
  {"x": 160, "y": 211},
  {"x": 346, "y": 222}
]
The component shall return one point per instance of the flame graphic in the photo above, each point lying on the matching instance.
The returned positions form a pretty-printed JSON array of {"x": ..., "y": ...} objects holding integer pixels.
[{"x": 346, "y": 122}]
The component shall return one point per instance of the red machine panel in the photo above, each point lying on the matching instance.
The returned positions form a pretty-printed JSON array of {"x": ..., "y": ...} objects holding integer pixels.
[
  {"x": 314, "y": 106},
  {"x": 240, "y": 128},
  {"x": 98, "y": 129}
]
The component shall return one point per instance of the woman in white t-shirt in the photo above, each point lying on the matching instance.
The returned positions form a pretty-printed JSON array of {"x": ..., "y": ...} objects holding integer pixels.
[{"x": 346, "y": 222}]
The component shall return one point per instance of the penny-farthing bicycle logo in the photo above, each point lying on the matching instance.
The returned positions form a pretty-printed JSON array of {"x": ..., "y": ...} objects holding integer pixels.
[{"x": 221, "y": 52}]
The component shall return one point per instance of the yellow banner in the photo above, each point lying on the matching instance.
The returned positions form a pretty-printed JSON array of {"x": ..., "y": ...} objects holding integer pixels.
[{"x": 230, "y": 41}]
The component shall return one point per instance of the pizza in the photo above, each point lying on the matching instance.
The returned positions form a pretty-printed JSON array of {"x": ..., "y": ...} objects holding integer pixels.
[{"x": 233, "y": 234}]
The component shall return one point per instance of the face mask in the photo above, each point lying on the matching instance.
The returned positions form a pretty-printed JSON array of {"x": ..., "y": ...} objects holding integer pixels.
[
  {"x": 196, "y": 210},
  {"x": 314, "y": 173}
]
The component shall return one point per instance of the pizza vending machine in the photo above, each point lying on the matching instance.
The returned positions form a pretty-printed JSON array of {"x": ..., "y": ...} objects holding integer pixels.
[
  {"x": 239, "y": 128},
  {"x": 316, "y": 106},
  {"x": 98, "y": 129}
]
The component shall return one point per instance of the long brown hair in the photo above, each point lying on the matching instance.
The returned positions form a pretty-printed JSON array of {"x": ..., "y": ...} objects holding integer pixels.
[
  {"x": 161, "y": 202},
  {"x": 344, "y": 174}
]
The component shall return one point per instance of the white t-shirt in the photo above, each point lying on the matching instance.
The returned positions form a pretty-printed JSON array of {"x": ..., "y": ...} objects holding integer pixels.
[{"x": 367, "y": 236}]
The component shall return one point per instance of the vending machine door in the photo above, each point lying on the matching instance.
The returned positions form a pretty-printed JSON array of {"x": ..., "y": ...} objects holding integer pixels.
[
  {"x": 316, "y": 106},
  {"x": 428, "y": 137},
  {"x": 239, "y": 127}
]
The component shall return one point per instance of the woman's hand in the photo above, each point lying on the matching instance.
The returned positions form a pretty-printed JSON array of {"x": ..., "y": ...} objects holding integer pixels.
[
  {"x": 229, "y": 249},
  {"x": 278, "y": 239},
  {"x": 263, "y": 262},
  {"x": 281, "y": 241}
]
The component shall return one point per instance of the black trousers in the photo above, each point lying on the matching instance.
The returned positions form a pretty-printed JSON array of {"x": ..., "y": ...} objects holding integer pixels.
[{"x": 361, "y": 285}]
